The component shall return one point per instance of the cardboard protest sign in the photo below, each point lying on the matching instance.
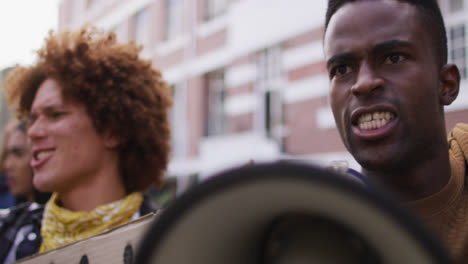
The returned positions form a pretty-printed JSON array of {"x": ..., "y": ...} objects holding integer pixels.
[{"x": 116, "y": 245}]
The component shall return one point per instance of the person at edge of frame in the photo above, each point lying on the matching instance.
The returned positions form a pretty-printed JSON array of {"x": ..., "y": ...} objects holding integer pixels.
[
  {"x": 389, "y": 83},
  {"x": 14, "y": 162},
  {"x": 7, "y": 199},
  {"x": 99, "y": 136}
]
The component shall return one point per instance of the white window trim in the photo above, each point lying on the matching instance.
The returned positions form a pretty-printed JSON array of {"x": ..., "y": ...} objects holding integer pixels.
[
  {"x": 212, "y": 26},
  {"x": 172, "y": 45},
  {"x": 310, "y": 88},
  {"x": 117, "y": 16},
  {"x": 325, "y": 119},
  {"x": 240, "y": 104},
  {"x": 239, "y": 75},
  {"x": 309, "y": 53}
]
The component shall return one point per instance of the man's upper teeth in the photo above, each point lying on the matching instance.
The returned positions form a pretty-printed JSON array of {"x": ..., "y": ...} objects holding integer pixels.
[
  {"x": 42, "y": 154},
  {"x": 374, "y": 120}
]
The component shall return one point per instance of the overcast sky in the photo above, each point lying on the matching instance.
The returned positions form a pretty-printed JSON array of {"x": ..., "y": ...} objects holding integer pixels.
[{"x": 23, "y": 26}]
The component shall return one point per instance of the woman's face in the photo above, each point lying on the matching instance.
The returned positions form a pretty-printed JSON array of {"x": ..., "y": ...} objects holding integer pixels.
[
  {"x": 67, "y": 151},
  {"x": 17, "y": 158}
]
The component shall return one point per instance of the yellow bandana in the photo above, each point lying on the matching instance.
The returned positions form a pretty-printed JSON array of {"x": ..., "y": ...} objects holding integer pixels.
[{"x": 61, "y": 226}]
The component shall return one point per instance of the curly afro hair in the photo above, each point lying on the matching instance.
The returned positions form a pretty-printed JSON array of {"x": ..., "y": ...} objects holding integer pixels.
[{"x": 123, "y": 96}]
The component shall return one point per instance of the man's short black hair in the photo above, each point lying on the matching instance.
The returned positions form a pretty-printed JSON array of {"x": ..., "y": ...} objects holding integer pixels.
[{"x": 431, "y": 15}]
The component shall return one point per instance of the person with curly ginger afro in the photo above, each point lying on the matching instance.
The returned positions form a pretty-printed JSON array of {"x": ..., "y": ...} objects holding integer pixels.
[{"x": 99, "y": 135}]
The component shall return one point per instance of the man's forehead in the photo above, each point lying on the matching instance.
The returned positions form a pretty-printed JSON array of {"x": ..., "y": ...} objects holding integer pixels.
[
  {"x": 49, "y": 92},
  {"x": 371, "y": 11},
  {"x": 372, "y": 21}
]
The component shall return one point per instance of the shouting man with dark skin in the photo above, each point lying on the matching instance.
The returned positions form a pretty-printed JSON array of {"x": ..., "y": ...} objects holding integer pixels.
[{"x": 389, "y": 83}]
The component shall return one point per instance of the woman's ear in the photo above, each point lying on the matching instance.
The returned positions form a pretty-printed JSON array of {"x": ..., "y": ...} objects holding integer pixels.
[
  {"x": 111, "y": 141},
  {"x": 449, "y": 84}
]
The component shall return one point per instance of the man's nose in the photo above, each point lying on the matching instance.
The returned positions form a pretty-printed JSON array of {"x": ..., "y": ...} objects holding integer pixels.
[
  {"x": 36, "y": 129},
  {"x": 367, "y": 81}
]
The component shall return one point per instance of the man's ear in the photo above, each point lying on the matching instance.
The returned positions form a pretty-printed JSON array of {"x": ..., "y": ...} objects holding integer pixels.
[
  {"x": 449, "y": 84},
  {"x": 111, "y": 141}
]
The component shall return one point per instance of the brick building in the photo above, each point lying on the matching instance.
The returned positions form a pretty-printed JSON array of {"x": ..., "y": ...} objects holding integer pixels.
[{"x": 248, "y": 76}]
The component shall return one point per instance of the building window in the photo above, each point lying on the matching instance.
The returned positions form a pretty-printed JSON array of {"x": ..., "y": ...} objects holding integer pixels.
[
  {"x": 456, "y": 5},
  {"x": 273, "y": 113},
  {"x": 215, "y": 122},
  {"x": 91, "y": 3},
  {"x": 174, "y": 19},
  {"x": 214, "y": 8},
  {"x": 177, "y": 117},
  {"x": 269, "y": 76},
  {"x": 269, "y": 66},
  {"x": 458, "y": 48},
  {"x": 75, "y": 11},
  {"x": 142, "y": 27}
]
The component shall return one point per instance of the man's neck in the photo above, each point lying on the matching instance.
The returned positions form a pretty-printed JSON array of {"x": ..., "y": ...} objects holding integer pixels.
[
  {"x": 417, "y": 182},
  {"x": 104, "y": 186},
  {"x": 87, "y": 199}
]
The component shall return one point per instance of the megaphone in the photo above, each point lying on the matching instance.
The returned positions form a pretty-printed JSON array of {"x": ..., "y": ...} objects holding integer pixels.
[{"x": 287, "y": 212}]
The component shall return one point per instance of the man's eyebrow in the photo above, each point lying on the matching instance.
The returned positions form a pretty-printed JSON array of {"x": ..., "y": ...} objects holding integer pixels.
[
  {"x": 390, "y": 45},
  {"x": 340, "y": 57},
  {"x": 52, "y": 107},
  {"x": 47, "y": 109},
  {"x": 378, "y": 48}
]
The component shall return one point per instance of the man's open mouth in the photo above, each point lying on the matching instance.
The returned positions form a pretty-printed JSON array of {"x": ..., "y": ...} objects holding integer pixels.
[
  {"x": 374, "y": 120},
  {"x": 41, "y": 154}
]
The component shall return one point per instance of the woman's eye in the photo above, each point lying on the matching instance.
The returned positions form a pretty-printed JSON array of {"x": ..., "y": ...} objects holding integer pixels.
[
  {"x": 394, "y": 58},
  {"x": 341, "y": 70},
  {"x": 31, "y": 119},
  {"x": 56, "y": 114},
  {"x": 18, "y": 153}
]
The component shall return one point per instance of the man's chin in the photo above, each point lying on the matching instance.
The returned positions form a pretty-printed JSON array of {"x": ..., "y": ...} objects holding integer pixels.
[
  {"x": 378, "y": 156},
  {"x": 41, "y": 186},
  {"x": 379, "y": 165}
]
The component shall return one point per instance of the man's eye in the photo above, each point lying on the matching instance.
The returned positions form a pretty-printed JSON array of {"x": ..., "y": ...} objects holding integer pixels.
[
  {"x": 31, "y": 119},
  {"x": 394, "y": 58},
  {"x": 56, "y": 114},
  {"x": 341, "y": 70}
]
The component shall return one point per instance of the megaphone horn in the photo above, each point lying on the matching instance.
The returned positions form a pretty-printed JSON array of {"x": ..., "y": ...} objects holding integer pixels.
[{"x": 287, "y": 212}]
